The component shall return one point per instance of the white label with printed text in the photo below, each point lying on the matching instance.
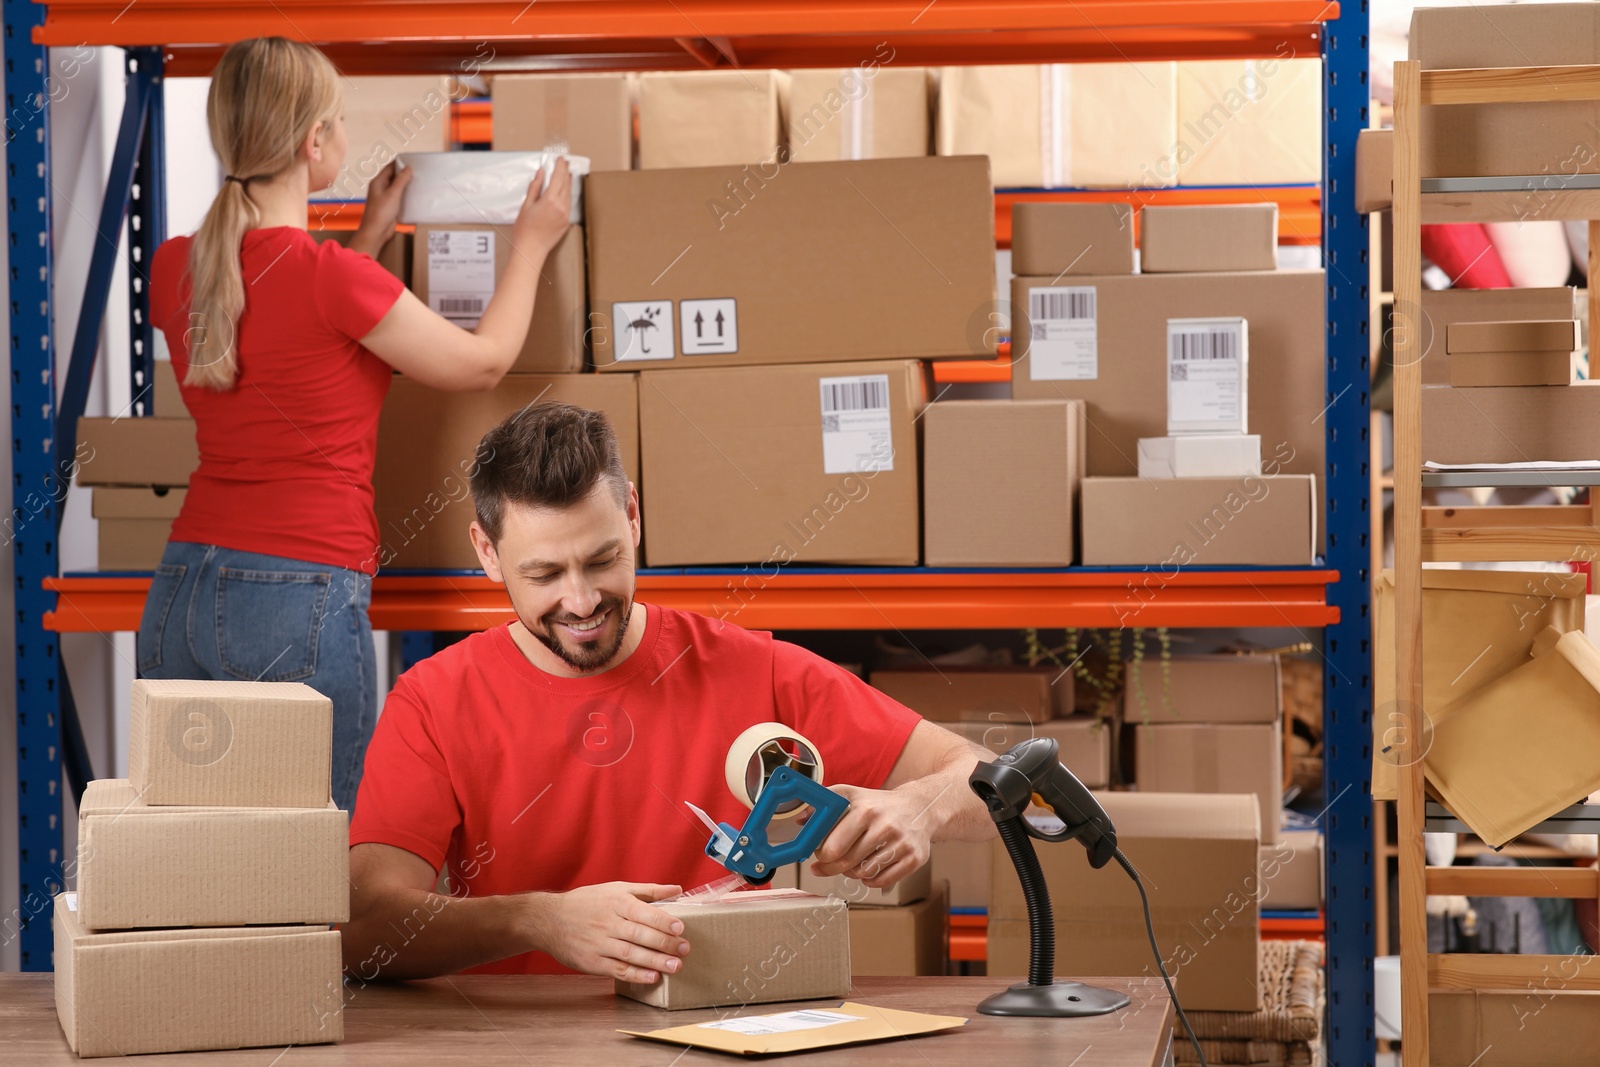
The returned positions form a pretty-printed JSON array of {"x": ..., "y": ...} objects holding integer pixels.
[
  {"x": 1206, "y": 366},
  {"x": 856, "y": 433},
  {"x": 786, "y": 1022},
  {"x": 1063, "y": 341},
  {"x": 460, "y": 274}
]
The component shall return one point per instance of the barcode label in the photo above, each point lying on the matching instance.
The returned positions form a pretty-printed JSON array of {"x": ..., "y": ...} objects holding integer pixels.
[
  {"x": 1063, "y": 334},
  {"x": 1061, "y": 304},
  {"x": 857, "y": 428},
  {"x": 1207, "y": 361},
  {"x": 861, "y": 394},
  {"x": 461, "y": 274},
  {"x": 1190, "y": 345}
]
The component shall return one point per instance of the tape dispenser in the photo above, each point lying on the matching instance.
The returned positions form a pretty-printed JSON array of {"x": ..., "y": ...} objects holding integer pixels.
[{"x": 777, "y": 774}]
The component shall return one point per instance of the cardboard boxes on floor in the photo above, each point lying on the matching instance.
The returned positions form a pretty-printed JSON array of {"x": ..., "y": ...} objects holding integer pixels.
[
  {"x": 221, "y": 895},
  {"x": 1198, "y": 856}
]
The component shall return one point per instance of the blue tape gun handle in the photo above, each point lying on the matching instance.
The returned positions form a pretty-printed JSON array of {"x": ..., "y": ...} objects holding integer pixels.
[{"x": 750, "y": 854}]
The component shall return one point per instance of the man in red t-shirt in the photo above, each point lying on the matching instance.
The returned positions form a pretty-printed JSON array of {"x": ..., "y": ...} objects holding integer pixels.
[{"x": 544, "y": 764}]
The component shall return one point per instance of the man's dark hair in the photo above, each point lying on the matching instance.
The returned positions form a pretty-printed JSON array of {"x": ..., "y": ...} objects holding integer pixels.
[{"x": 548, "y": 455}]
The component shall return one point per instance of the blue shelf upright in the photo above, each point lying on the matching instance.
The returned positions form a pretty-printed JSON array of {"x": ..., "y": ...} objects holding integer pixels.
[{"x": 1347, "y": 677}]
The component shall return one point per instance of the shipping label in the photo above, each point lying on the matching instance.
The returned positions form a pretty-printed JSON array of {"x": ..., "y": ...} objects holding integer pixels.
[
  {"x": 1063, "y": 340},
  {"x": 460, "y": 274},
  {"x": 786, "y": 1022},
  {"x": 856, "y": 432},
  {"x": 1206, "y": 367}
]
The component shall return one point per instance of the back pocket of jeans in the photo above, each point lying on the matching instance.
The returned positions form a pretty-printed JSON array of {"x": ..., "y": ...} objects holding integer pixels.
[
  {"x": 158, "y": 609},
  {"x": 268, "y": 623}
]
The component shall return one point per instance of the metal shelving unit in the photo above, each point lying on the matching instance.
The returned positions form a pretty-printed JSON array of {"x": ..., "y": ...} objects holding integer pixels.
[{"x": 390, "y": 36}]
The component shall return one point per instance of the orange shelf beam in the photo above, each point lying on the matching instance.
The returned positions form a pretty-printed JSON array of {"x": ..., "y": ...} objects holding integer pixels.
[
  {"x": 471, "y": 35},
  {"x": 846, "y": 600}
]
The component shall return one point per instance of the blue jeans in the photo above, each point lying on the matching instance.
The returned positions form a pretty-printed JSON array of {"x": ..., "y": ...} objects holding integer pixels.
[{"x": 217, "y": 613}]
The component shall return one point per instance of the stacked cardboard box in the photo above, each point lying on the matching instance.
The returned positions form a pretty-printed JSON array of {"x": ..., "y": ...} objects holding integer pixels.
[
  {"x": 1229, "y": 471},
  {"x": 1197, "y": 856},
  {"x": 1249, "y": 121},
  {"x": 208, "y": 879},
  {"x": 865, "y": 112},
  {"x": 900, "y": 931},
  {"x": 709, "y": 118},
  {"x": 589, "y": 115},
  {"x": 1537, "y": 352},
  {"x": 1211, "y": 724},
  {"x": 139, "y": 469}
]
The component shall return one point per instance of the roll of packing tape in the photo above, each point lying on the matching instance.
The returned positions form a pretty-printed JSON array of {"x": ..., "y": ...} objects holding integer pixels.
[{"x": 762, "y": 749}]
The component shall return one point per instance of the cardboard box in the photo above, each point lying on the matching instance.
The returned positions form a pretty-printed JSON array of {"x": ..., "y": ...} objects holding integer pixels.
[
  {"x": 708, "y": 118},
  {"x": 1000, "y": 482},
  {"x": 962, "y": 867},
  {"x": 1197, "y": 856},
  {"x": 950, "y": 694},
  {"x": 588, "y": 115},
  {"x": 468, "y": 260},
  {"x": 1477, "y": 625},
  {"x": 851, "y": 113},
  {"x": 1374, "y": 170},
  {"x": 1216, "y": 758},
  {"x": 1206, "y": 689},
  {"x": 167, "y": 396},
  {"x": 1291, "y": 872},
  {"x": 1083, "y": 743},
  {"x": 1443, "y": 308},
  {"x": 755, "y": 948},
  {"x": 901, "y": 942},
  {"x": 140, "y": 452},
  {"x": 1113, "y": 355},
  {"x": 1175, "y": 522},
  {"x": 813, "y": 463},
  {"x": 1191, "y": 238},
  {"x": 1510, "y": 423},
  {"x": 428, "y": 447},
  {"x": 394, "y": 256},
  {"x": 910, "y": 889},
  {"x": 1538, "y": 335},
  {"x": 134, "y": 525},
  {"x": 140, "y": 865},
  {"x": 135, "y": 991},
  {"x": 1546, "y": 1025},
  {"x": 818, "y": 263},
  {"x": 1049, "y": 126},
  {"x": 1518, "y": 750},
  {"x": 229, "y": 744},
  {"x": 1200, "y": 455},
  {"x": 1551, "y": 139},
  {"x": 1249, "y": 122},
  {"x": 384, "y": 116},
  {"x": 1056, "y": 239},
  {"x": 1476, "y": 370}
]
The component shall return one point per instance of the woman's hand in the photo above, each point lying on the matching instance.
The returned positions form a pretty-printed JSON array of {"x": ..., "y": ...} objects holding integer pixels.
[
  {"x": 546, "y": 210},
  {"x": 382, "y": 209}
]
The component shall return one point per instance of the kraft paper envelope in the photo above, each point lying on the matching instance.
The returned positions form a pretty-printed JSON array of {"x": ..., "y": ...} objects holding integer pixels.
[
  {"x": 800, "y": 1031},
  {"x": 1526, "y": 745}
]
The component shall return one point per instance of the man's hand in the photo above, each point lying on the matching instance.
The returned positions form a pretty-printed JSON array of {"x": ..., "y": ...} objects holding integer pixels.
[
  {"x": 382, "y": 210},
  {"x": 612, "y": 930},
  {"x": 882, "y": 838}
]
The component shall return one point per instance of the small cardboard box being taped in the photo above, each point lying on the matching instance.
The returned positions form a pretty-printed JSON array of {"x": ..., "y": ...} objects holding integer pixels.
[
  {"x": 754, "y": 948},
  {"x": 1518, "y": 750},
  {"x": 133, "y": 991},
  {"x": 1476, "y": 626},
  {"x": 230, "y": 744},
  {"x": 143, "y": 866}
]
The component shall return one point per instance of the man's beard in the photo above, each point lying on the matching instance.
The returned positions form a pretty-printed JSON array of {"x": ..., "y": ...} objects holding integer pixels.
[{"x": 590, "y": 655}]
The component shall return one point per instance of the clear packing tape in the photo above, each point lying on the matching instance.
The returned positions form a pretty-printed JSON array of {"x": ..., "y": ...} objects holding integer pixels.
[{"x": 1524, "y": 746}]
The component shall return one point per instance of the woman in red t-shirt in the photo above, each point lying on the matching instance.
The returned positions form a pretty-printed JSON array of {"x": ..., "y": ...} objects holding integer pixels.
[{"x": 284, "y": 349}]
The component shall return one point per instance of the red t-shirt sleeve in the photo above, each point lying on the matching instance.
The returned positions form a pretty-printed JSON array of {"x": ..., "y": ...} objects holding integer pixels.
[
  {"x": 859, "y": 730},
  {"x": 406, "y": 798},
  {"x": 352, "y": 291}
]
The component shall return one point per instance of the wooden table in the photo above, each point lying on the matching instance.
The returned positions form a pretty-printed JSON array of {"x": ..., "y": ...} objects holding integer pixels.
[{"x": 561, "y": 1020}]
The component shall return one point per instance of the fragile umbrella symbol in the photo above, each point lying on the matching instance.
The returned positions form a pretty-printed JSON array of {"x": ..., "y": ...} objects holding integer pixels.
[{"x": 645, "y": 322}]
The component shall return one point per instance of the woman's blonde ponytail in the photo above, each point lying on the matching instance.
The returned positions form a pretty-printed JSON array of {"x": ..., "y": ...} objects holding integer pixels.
[{"x": 266, "y": 94}]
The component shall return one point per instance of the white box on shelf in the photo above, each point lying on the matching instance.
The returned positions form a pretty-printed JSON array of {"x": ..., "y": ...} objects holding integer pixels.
[{"x": 1200, "y": 455}]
